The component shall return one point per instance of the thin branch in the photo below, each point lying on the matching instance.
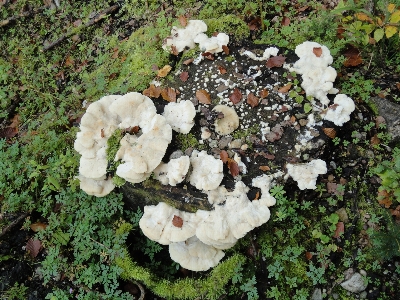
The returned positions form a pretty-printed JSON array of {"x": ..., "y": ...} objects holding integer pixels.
[
  {"x": 98, "y": 17},
  {"x": 13, "y": 223},
  {"x": 22, "y": 15},
  {"x": 142, "y": 291}
]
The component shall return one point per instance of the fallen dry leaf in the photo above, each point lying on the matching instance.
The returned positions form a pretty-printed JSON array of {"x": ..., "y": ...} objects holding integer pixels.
[
  {"x": 182, "y": 20},
  {"x": 153, "y": 91},
  {"x": 188, "y": 61},
  {"x": 8, "y": 132},
  {"x": 222, "y": 70},
  {"x": 353, "y": 57},
  {"x": 309, "y": 255},
  {"x": 208, "y": 55},
  {"x": 384, "y": 198},
  {"x": 285, "y": 88},
  {"x": 203, "y": 96},
  {"x": 169, "y": 94},
  {"x": 375, "y": 140},
  {"x": 263, "y": 93},
  {"x": 317, "y": 51},
  {"x": 275, "y": 61},
  {"x": 233, "y": 167},
  {"x": 177, "y": 221},
  {"x": 38, "y": 226},
  {"x": 252, "y": 100},
  {"x": 164, "y": 71},
  {"x": 254, "y": 24},
  {"x": 224, "y": 156},
  {"x": 115, "y": 53},
  {"x": 225, "y": 49},
  {"x": 34, "y": 247},
  {"x": 69, "y": 61},
  {"x": 339, "y": 229},
  {"x": 184, "y": 76},
  {"x": 236, "y": 96},
  {"x": 174, "y": 50},
  {"x": 379, "y": 120},
  {"x": 264, "y": 168},
  {"x": 285, "y": 21}
]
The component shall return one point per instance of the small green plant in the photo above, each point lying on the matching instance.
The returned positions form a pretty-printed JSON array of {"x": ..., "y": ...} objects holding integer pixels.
[
  {"x": 386, "y": 243},
  {"x": 16, "y": 292}
]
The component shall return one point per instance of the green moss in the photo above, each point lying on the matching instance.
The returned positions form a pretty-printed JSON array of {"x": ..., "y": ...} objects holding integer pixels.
[
  {"x": 189, "y": 140},
  {"x": 229, "y": 24},
  {"x": 230, "y": 58},
  {"x": 244, "y": 133}
]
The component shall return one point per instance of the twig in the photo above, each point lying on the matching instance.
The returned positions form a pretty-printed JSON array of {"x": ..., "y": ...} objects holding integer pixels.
[
  {"x": 13, "y": 223},
  {"x": 22, "y": 15},
  {"x": 142, "y": 291},
  {"x": 101, "y": 15}
]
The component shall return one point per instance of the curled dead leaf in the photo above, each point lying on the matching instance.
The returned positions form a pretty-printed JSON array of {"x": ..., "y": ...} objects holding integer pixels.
[
  {"x": 285, "y": 21},
  {"x": 184, "y": 76},
  {"x": 276, "y": 61},
  {"x": 153, "y": 91},
  {"x": 285, "y": 88},
  {"x": 177, "y": 221},
  {"x": 225, "y": 49},
  {"x": 34, "y": 247},
  {"x": 339, "y": 229},
  {"x": 224, "y": 156},
  {"x": 384, "y": 198},
  {"x": 169, "y": 94},
  {"x": 182, "y": 20},
  {"x": 188, "y": 61},
  {"x": 203, "y": 96},
  {"x": 317, "y": 51},
  {"x": 252, "y": 100},
  {"x": 330, "y": 132},
  {"x": 264, "y": 168},
  {"x": 233, "y": 167},
  {"x": 264, "y": 93},
  {"x": 236, "y": 96},
  {"x": 222, "y": 70},
  {"x": 38, "y": 226},
  {"x": 164, "y": 71}
]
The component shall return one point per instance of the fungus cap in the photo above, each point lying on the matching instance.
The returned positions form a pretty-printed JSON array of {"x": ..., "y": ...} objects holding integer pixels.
[
  {"x": 194, "y": 255},
  {"x": 213, "y": 44},
  {"x": 306, "y": 174},
  {"x": 339, "y": 112},
  {"x": 173, "y": 172},
  {"x": 180, "y": 116},
  {"x": 98, "y": 188},
  {"x": 207, "y": 171},
  {"x": 230, "y": 121}
]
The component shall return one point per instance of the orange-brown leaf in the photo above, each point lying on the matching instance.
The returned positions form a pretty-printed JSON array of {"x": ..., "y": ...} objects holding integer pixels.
[
  {"x": 353, "y": 57},
  {"x": 285, "y": 88},
  {"x": 224, "y": 156},
  {"x": 8, "y": 132},
  {"x": 169, "y": 94},
  {"x": 15, "y": 121},
  {"x": 236, "y": 96},
  {"x": 309, "y": 255},
  {"x": 115, "y": 53},
  {"x": 384, "y": 198},
  {"x": 264, "y": 93},
  {"x": 203, "y": 96},
  {"x": 264, "y": 168},
  {"x": 225, "y": 49},
  {"x": 317, "y": 51},
  {"x": 38, "y": 226},
  {"x": 252, "y": 100},
  {"x": 222, "y": 70},
  {"x": 339, "y": 229},
  {"x": 375, "y": 140},
  {"x": 164, "y": 71},
  {"x": 184, "y": 76},
  {"x": 34, "y": 247},
  {"x": 188, "y": 61},
  {"x": 153, "y": 91},
  {"x": 285, "y": 21},
  {"x": 233, "y": 167},
  {"x": 69, "y": 61},
  {"x": 177, "y": 221},
  {"x": 276, "y": 61},
  {"x": 182, "y": 20}
]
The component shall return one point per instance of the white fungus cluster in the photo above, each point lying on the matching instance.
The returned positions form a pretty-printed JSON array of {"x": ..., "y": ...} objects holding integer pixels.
[
  {"x": 306, "y": 174},
  {"x": 339, "y": 112}
]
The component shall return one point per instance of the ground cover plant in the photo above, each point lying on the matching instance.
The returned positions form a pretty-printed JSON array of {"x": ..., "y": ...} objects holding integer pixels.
[{"x": 56, "y": 57}]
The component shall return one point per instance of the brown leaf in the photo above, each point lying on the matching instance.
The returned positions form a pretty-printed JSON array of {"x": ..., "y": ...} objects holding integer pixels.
[
  {"x": 224, "y": 156},
  {"x": 264, "y": 168},
  {"x": 398, "y": 85},
  {"x": 174, "y": 50},
  {"x": 208, "y": 55},
  {"x": 115, "y": 54},
  {"x": 102, "y": 133},
  {"x": 77, "y": 22},
  {"x": 276, "y": 61},
  {"x": 257, "y": 196},
  {"x": 69, "y": 61},
  {"x": 188, "y": 61},
  {"x": 164, "y": 71},
  {"x": 285, "y": 88},
  {"x": 169, "y": 94},
  {"x": 233, "y": 167},
  {"x": 285, "y": 21},
  {"x": 182, "y": 20},
  {"x": 263, "y": 93},
  {"x": 309, "y": 255},
  {"x": 236, "y": 96},
  {"x": 34, "y": 247},
  {"x": 339, "y": 229},
  {"x": 317, "y": 51},
  {"x": 379, "y": 120},
  {"x": 330, "y": 132},
  {"x": 222, "y": 70},
  {"x": 353, "y": 57},
  {"x": 252, "y": 100},
  {"x": 384, "y": 198},
  {"x": 38, "y": 226},
  {"x": 153, "y": 91},
  {"x": 254, "y": 24},
  {"x": 203, "y": 96},
  {"x": 375, "y": 140},
  {"x": 225, "y": 49},
  {"x": 177, "y": 221},
  {"x": 15, "y": 121},
  {"x": 184, "y": 76},
  {"x": 303, "y": 8},
  {"x": 8, "y": 132}
]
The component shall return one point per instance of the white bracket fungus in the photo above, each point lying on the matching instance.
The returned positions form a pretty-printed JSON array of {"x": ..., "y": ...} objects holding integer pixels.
[
  {"x": 173, "y": 172},
  {"x": 213, "y": 44},
  {"x": 306, "y": 174},
  {"x": 157, "y": 224},
  {"x": 194, "y": 255},
  {"x": 183, "y": 38},
  {"x": 317, "y": 75},
  {"x": 98, "y": 188},
  {"x": 339, "y": 112},
  {"x": 270, "y": 51},
  {"x": 230, "y": 121},
  {"x": 180, "y": 116},
  {"x": 207, "y": 171}
]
